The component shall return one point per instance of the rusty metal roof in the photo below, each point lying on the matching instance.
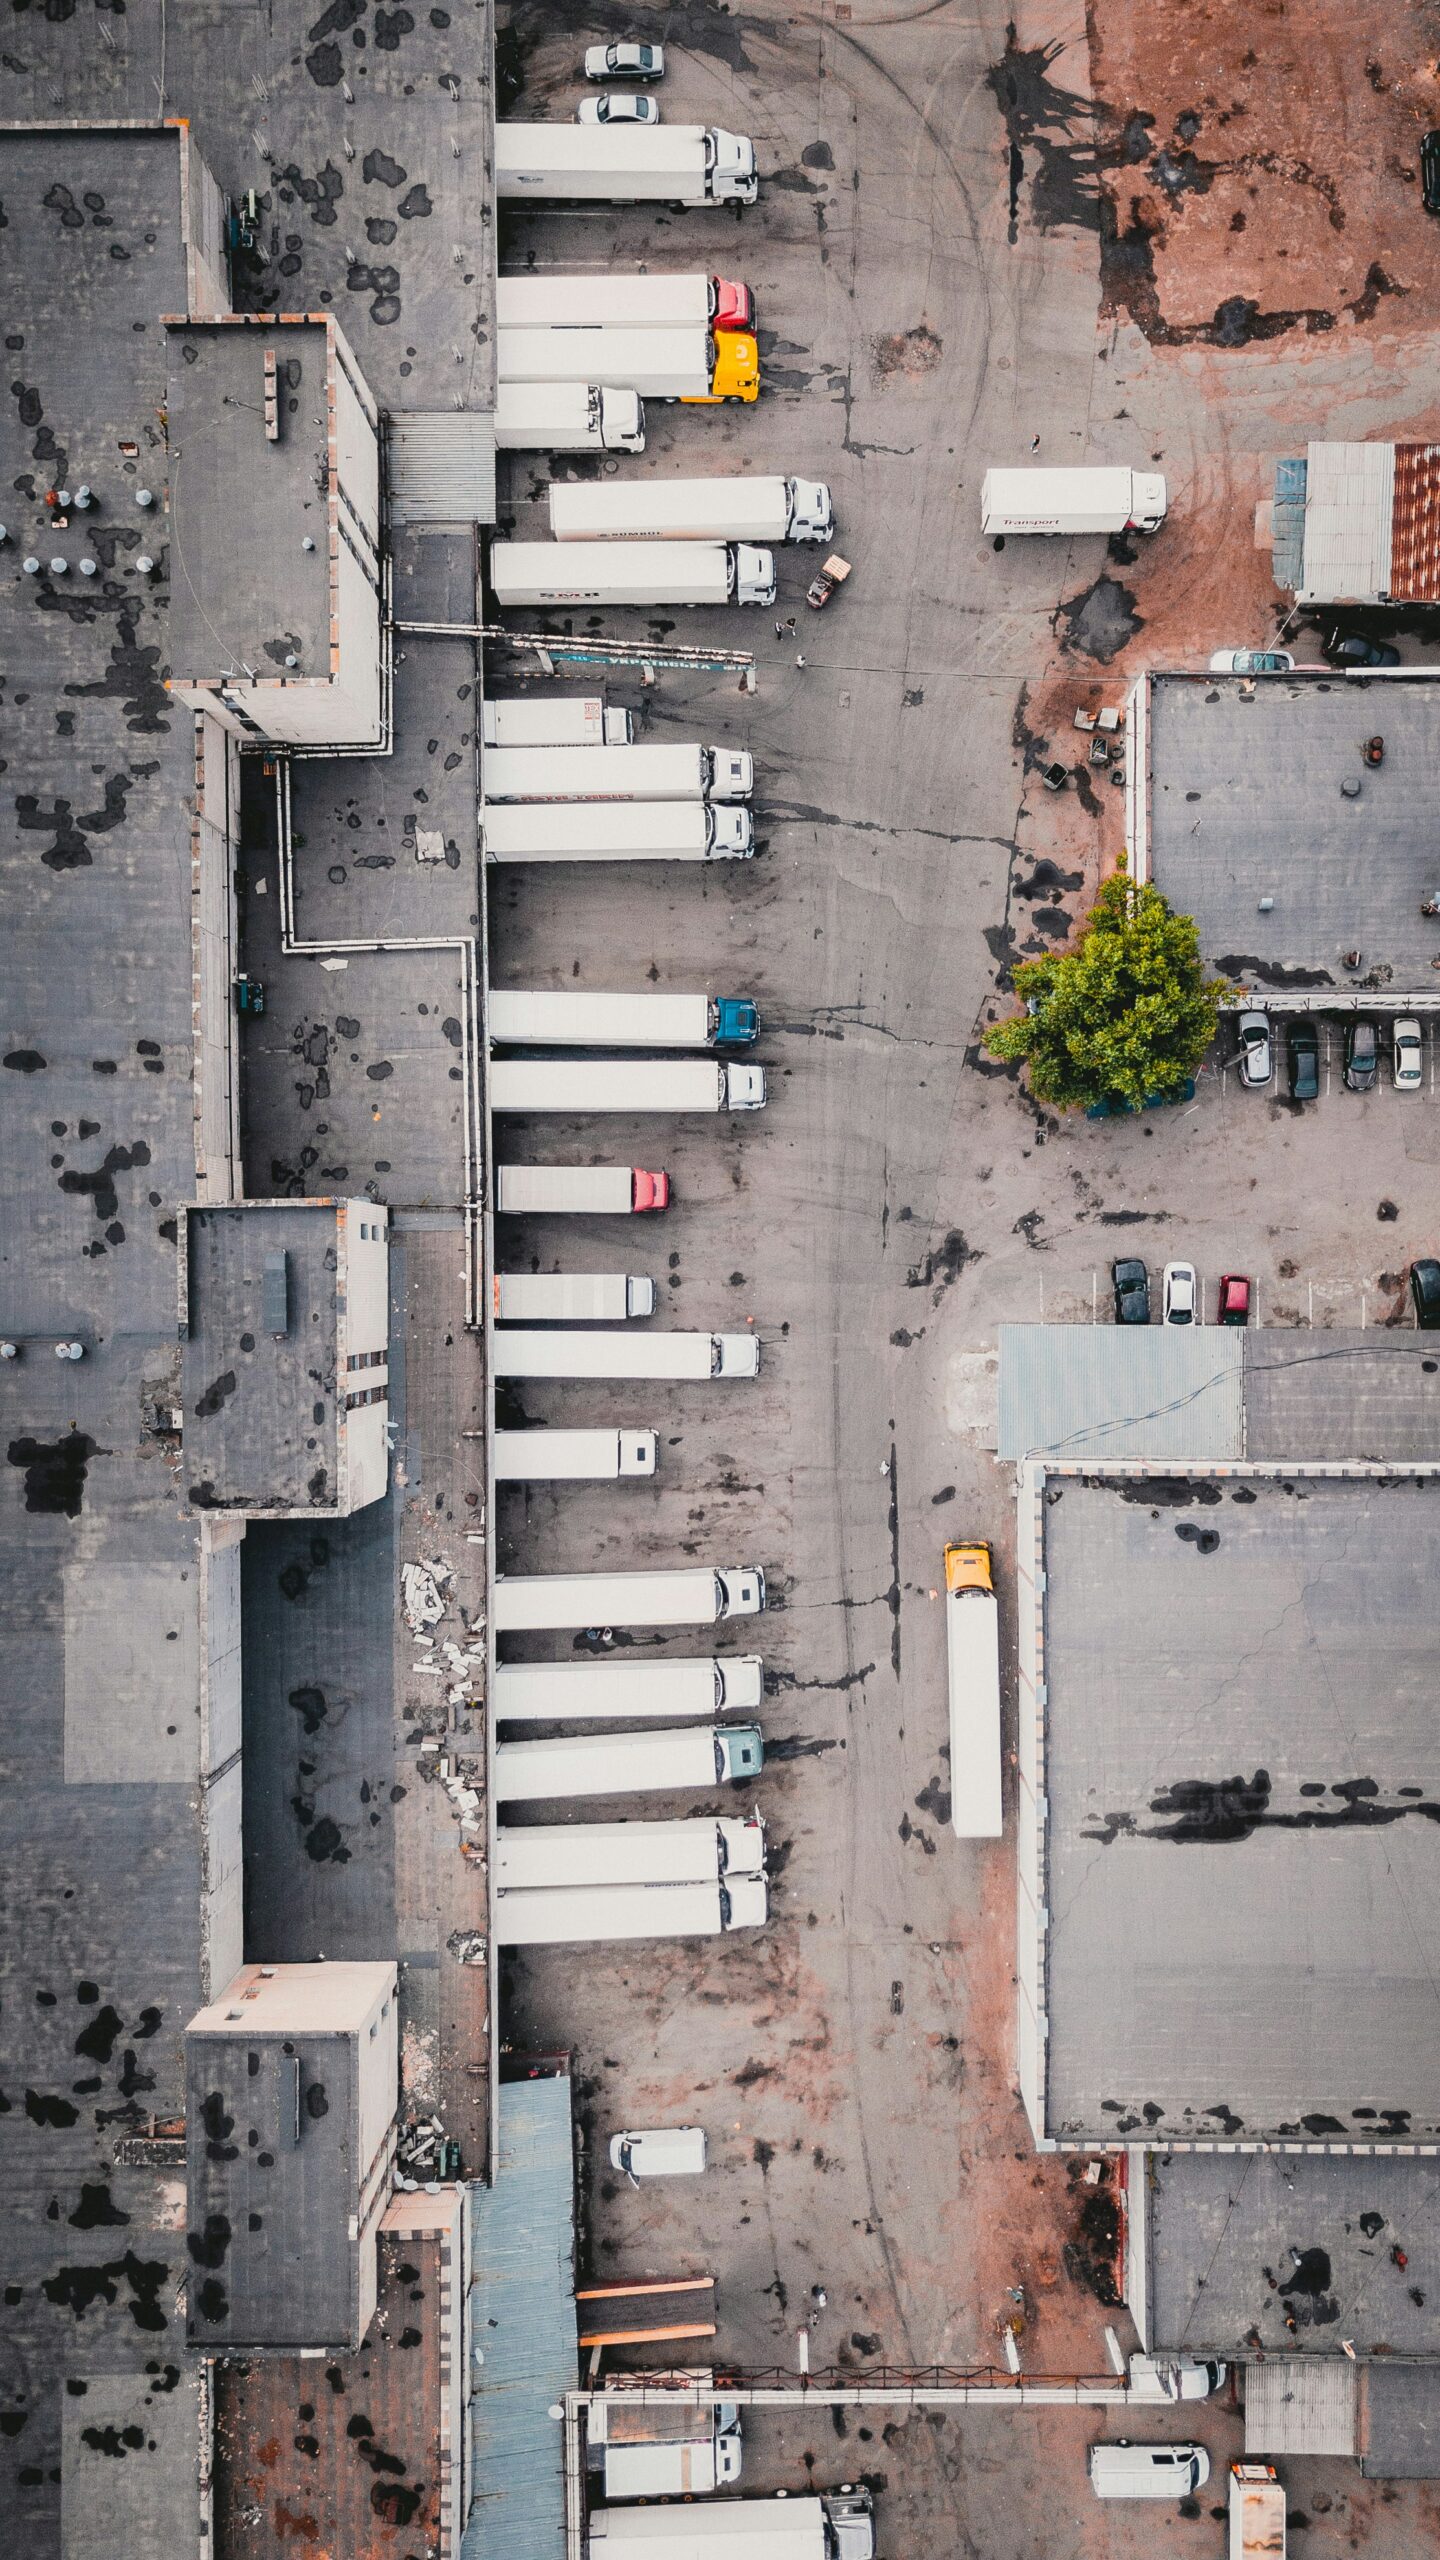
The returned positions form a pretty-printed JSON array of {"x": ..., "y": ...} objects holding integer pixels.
[{"x": 1415, "y": 525}]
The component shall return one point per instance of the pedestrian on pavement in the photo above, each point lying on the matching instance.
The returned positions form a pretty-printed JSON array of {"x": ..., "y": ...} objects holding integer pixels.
[
  {"x": 1034, "y": 444},
  {"x": 800, "y": 662}
]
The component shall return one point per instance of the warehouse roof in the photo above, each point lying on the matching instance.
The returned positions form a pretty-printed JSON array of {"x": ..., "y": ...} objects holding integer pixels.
[
  {"x": 261, "y": 1391},
  {"x": 1271, "y": 1391}
]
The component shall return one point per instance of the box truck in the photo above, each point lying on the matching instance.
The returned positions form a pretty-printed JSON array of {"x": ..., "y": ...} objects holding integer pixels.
[
  {"x": 553, "y": 720},
  {"x": 624, "y": 1084},
  {"x": 568, "y": 417},
  {"x": 972, "y": 1639},
  {"x": 631, "y": 573},
  {"x": 1089, "y": 498},
  {"x": 676, "y": 164},
  {"x": 571, "y": 1019},
  {"x": 618, "y": 773},
  {"x": 729, "y": 509},
  {"x": 518, "y": 1354},
  {"x": 838, "y": 2527},
  {"x": 682, "y": 1685},
  {"x": 579, "y": 1190},
  {"x": 589, "y": 1915},
  {"x": 577, "y": 1853},
  {"x": 618, "y": 831},
  {"x": 699, "y": 366},
  {"x": 626, "y": 1764},
  {"x": 645, "y": 2449},
  {"x": 1257, "y": 2512},
  {"x": 677, "y": 1596},
  {"x": 576, "y": 1457},
  {"x": 623, "y": 302},
  {"x": 572, "y": 1297}
]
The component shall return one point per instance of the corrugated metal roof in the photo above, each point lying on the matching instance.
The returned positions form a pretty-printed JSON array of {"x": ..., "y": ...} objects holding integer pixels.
[
  {"x": 442, "y": 467},
  {"x": 522, "y": 2277},
  {"x": 1111, "y": 1391},
  {"x": 1348, "y": 507},
  {"x": 1415, "y": 524},
  {"x": 1296, "y": 2404},
  {"x": 1287, "y": 523}
]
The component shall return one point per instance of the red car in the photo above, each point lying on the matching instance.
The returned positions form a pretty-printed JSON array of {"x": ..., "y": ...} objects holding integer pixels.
[{"x": 1234, "y": 1298}]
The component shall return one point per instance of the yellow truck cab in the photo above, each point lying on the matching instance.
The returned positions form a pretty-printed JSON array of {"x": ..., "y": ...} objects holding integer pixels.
[{"x": 736, "y": 375}]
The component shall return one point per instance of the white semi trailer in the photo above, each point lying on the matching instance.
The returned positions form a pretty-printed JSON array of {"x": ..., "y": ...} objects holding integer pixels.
[
  {"x": 623, "y": 1084},
  {"x": 679, "y": 164},
  {"x": 729, "y": 508},
  {"x": 618, "y": 831},
  {"x": 838, "y": 2527},
  {"x": 608, "y": 1354},
  {"x": 618, "y": 773},
  {"x": 591, "y": 1915},
  {"x": 553, "y": 720},
  {"x": 656, "y": 364},
  {"x": 675, "y": 1596},
  {"x": 575, "y": 1853},
  {"x": 574, "y": 1018},
  {"x": 579, "y": 1190},
  {"x": 1084, "y": 498},
  {"x": 611, "y": 301},
  {"x": 627, "y": 1764},
  {"x": 572, "y": 1297},
  {"x": 568, "y": 417},
  {"x": 972, "y": 1636},
  {"x": 573, "y": 1457},
  {"x": 616, "y": 1687},
  {"x": 631, "y": 573}
]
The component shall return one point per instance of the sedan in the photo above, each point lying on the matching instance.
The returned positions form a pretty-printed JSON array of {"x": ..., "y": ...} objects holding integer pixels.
[
  {"x": 1257, "y": 1062},
  {"x": 1351, "y": 649},
  {"x": 625, "y": 62},
  {"x": 1407, "y": 1055},
  {"x": 1180, "y": 1293},
  {"x": 1131, "y": 1284},
  {"x": 1251, "y": 662},
  {"x": 618, "y": 106},
  {"x": 1425, "y": 1290},
  {"x": 1234, "y": 1298},
  {"x": 1430, "y": 171},
  {"x": 1302, "y": 1042},
  {"x": 1362, "y": 1056}
]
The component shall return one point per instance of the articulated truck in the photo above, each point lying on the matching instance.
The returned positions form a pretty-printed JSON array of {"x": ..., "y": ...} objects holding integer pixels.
[
  {"x": 572, "y": 1297},
  {"x": 972, "y": 1637},
  {"x": 618, "y": 773},
  {"x": 575, "y": 1853},
  {"x": 678, "y": 1596},
  {"x": 680, "y": 1685},
  {"x": 623, "y": 1084},
  {"x": 517, "y": 1354},
  {"x": 1088, "y": 498},
  {"x": 570, "y": 1019},
  {"x": 568, "y": 417},
  {"x": 676, "y": 164},
  {"x": 553, "y": 720},
  {"x": 729, "y": 509},
  {"x": 618, "y": 831},
  {"x": 623, "y": 302},
  {"x": 631, "y": 573},
  {"x": 699, "y": 366},
  {"x": 591, "y": 1915},
  {"x": 573, "y": 1457},
  {"x": 579, "y": 1190},
  {"x": 838, "y": 2527},
  {"x": 627, "y": 1764}
]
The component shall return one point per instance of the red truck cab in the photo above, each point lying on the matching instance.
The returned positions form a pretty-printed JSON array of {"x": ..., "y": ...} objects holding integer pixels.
[
  {"x": 649, "y": 1190},
  {"x": 732, "y": 306}
]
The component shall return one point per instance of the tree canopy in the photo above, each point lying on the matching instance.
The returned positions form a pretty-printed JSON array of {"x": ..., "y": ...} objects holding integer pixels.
[{"x": 1123, "y": 1016}]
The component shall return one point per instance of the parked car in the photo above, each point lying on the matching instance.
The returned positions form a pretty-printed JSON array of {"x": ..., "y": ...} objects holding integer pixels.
[
  {"x": 1425, "y": 1290},
  {"x": 1430, "y": 171},
  {"x": 1362, "y": 1056},
  {"x": 1125, "y": 2470},
  {"x": 1180, "y": 1294},
  {"x": 1257, "y": 1061},
  {"x": 1251, "y": 662},
  {"x": 1302, "y": 1043},
  {"x": 1131, "y": 1283},
  {"x": 1234, "y": 1298},
  {"x": 618, "y": 106},
  {"x": 1407, "y": 1055},
  {"x": 1352, "y": 649},
  {"x": 668, "y": 2151},
  {"x": 1173, "y": 2378},
  {"x": 625, "y": 62}
]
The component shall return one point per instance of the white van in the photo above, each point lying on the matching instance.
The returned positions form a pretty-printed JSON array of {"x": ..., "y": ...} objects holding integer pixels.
[
  {"x": 1148, "y": 2470},
  {"x": 668, "y": 2151}
]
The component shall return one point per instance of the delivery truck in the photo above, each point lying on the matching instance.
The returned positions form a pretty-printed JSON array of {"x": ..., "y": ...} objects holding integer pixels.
[
  {"x": 536, "y": 1018},
  {"x": 732, "y": 508},
  {"x": 840, "y": 2526},
  {"x": 1087, "y": 498},
  {"x": 676, "y": 1596},
  {"x": 699, "y": 366},
  {"x": 1257, "y": 2512},
  {"x": 646, "y": 2449},
  {"x": 572, "y": 1297},
  {"x": 621, "y": 1687},
  {"x": 674, "y": 164},
  {"x": 591, "y": 1915},
  {"x": 608, "y": 1354},
  {"x": 568, "y": 417},
  {"x": 626, "y": 1764},
  {"x": 618, "y": 773},
  {"x": 623, "y": 1084},
  {"x": 618, "y": 831},
  {"x": 608, "y": 301},
  {"x": 575, "y": 1457},
  {"x": 553, "y": 720},
  {"x": 972, "y": 1636},
  {"x": 631, "y": 573},
  {"x": 689, "y": 1851},
  {"x": 579, "y": 1190}
]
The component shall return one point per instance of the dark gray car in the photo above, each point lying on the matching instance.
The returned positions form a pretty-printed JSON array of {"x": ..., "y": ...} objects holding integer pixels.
[
  {"x": 1362, "y": 1056},
  {"x": 1131, "y": 1283}
]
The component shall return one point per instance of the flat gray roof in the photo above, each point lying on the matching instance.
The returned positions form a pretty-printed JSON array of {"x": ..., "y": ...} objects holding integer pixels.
[
  {"x": 272, "y": 2143},
  {"x": 246, "y": 595},
  {"x": 261, "y": 1413},
  {"x": 1246, "y": 803},
  {"x": 1400, "y": 2439},
  {"x": 1243, "y": 1781}
]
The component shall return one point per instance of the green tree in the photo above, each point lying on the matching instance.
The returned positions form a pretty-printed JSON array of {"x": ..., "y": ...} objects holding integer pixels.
[{"x": 1126, "y": 1013}]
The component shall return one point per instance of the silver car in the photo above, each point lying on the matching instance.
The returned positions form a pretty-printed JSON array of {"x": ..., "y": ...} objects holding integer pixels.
[
  {"x": 1407, "y": 1055},
  {"x": 625, "y": 62},
  {"x": 619, "y": 106},
  {"x": 1257, "y": 1058}
]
